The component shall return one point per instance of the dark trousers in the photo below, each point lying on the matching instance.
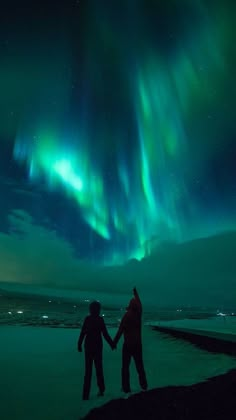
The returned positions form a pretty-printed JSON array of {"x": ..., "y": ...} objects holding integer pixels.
[
  {"x": 93, "y": 355},
  {"x": 127, "y": 354}
]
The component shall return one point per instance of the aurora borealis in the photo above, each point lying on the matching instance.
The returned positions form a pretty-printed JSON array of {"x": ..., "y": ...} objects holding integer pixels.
[{"x": 119, "y": 117}]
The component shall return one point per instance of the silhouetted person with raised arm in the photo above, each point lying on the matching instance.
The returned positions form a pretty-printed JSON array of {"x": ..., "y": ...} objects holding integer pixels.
[
  {"x": 92, "y": 330},
  {"x": 130, "y": 327}
]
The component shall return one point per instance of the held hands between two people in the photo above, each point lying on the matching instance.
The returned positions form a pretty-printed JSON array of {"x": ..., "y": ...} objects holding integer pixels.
[{"x": 113, "y": 347}]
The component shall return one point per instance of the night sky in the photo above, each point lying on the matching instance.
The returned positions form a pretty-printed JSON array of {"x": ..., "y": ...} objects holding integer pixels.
[{"x": 117, "y": 129}]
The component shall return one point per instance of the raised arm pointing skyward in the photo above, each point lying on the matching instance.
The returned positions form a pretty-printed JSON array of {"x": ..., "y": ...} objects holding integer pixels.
[{"x": 137, "y": 298}]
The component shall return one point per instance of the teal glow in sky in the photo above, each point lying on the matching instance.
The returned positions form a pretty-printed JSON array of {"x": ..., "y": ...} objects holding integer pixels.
[{"x": 131, "y": 122}]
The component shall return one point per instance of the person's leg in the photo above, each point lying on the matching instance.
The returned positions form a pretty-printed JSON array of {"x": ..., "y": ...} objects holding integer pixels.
[
  {"x": 126, "y": 357},
  {"x": 99, "y": 371},
  {"x": 138, "y": 358},
  {"x": 88, "y": 374}
]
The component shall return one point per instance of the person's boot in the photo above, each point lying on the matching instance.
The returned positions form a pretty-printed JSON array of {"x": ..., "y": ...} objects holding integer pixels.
[
  {"x": 127, "y": 394},
  {"x": 100, "y": 393}
]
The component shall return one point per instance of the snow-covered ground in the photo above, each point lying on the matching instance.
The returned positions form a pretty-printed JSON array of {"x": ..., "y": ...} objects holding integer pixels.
[
  {"x": 42, "y": 372},
  {"x": 220, "y": 327}
]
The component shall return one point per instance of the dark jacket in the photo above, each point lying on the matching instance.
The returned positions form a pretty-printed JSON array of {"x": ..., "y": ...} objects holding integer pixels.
[
  {"x": 130, "y": 325},
  {"x": 93, "y": 329}
]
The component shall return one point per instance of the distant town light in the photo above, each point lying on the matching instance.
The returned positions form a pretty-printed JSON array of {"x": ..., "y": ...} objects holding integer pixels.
[
  {"x": 50, "y": 301},
  {"x": 221, "y": 314},
  {"x": 75, "y": 306},
  {"x": 10, "y": 313},
  {"x": 45, "y": 316},
  {"x": 20, "y": 312}
]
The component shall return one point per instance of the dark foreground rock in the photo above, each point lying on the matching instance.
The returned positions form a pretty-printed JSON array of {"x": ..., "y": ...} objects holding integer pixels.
[{"x": 212, "y": 399}]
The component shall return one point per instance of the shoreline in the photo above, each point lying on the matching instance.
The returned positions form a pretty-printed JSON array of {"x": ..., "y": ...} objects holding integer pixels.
[
  {"x": 202, "y": 340},
  {"x": 44, "y": 364}
]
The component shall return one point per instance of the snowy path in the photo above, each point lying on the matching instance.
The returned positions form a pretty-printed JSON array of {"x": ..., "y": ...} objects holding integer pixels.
[{"x": 42, "y": 373}]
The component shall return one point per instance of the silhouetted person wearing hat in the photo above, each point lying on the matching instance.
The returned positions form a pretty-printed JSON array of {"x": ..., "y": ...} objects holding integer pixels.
[
  {"x": 92, "y": 330},
  {"x": 130, "y": 327}
]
